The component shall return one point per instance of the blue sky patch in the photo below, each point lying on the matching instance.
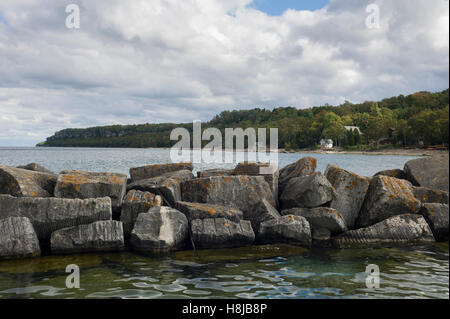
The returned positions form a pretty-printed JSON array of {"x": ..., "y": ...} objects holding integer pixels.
[{"x": 278, "y": 7}]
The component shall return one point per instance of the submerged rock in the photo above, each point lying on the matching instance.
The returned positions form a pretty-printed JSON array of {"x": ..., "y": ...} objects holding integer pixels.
[
  {"x": 204, "y": 211},
  {"x": 430, "y": 172},
  {"x": 150, "y": 171},
  {"x": 36, "y": 167},
  {"x": 320, "y": 217},
  {"x": 397, "y": 173},
  {"x": 18, "y": 238},
  {"x": 288, "y": 229},
  {"x": 25, "y": 183},
  {"x": 261, "y": 212},
  {"x": 437, "y": 217},
  {"x": 428, "y": 195},
  {"x": 303, "y": 167},
  {"x": 215, "y": 172}
]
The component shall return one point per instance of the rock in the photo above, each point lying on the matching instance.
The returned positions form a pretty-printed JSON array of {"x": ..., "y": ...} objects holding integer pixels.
[
  {"x": 397, "y": 173},
  {"x": 430, "y": 172},
  {"x": 166, "y": 185},
  {"x": 104, "y": 235},
  {"x": 288, "y": 229},
  {"x": 135, "y": 203},
  {"x": 36, "y": 167},
  {"x": 307, "y": 192},
  {"x": 406, "y": 228},
  {"x": 387, "y": 197},
  {"x": 83, "y": 185},
  {"x": 215, "y": 172},
  {"x": 149, "y": 171},
  {"x": 241, "y": 192},
  {"x": 428, "y": 195},
  {"x": 261, "y": 212},
  {"x": 18, "y": 238},
  {"x": 50, "y": 214},
  {"x": 320, "y": 217},
  {"x": 221, "y": 233},
  {"x": 161, "y": 230},
  {"x": 25, "y": 183},
  {"x": 437, "y": 217},
  {"x": 350, "y": 190},
  {"x": 321, "y": 234},
  {"x": 303, "y": 167},
  {"x": 204, "y": 211}
]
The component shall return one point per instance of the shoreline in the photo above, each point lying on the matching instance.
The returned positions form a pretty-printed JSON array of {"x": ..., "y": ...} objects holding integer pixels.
[{"x": 394, "y": 152}]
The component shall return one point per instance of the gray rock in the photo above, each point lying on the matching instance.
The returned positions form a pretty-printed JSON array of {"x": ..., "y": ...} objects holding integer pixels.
[
  {"x": 204, "y": 211},
  {"x": 397, "y": 173},
  {"x": 288, "y": 229},
  {"x": 321, "y": 234},
  {"x": 387, "y": 197},
  {"x": 221, "y": 233},
  {"x": 350, "y": 190},
  {"x": 261, "y": 212},
  {"x": 50, "y": 214},
  {"x": 25, "y": 183},
  {"x": 430, "y": 172},
  {"x": 307, "y": 192},
  {"x": 18, "y": 238},
  {"x": 437, "y": 217},
  {"x": 303, "y": 167},
  {"x": 320, "y": 217},
  {"x": 428, "y": 195},
  {"x": 161, "y": 230},
  {"x": 400, "y": 229},
  {"x": 135, "y": 203},
  {"x": 150, "y": 171},
  {"x": 215, "y": 172},
  {"x": 36, "y": 167},
  {"x": 104, "y": 235}
]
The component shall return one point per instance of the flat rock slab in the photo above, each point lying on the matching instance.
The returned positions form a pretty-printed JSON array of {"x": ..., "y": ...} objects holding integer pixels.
[
  {"x": 18, "y": 238},
  {"x": 105, "y": 235},
  {"x": 321, "y": 217},
  {"x": 241, "y": 192},
  {"x": 401, "y": 229},
  {"x": 303, "y": 167},
  {"x": 215, "y": 172},
  {"x": 161, "y": 230},
  {"x": 288, "y": 229},
  {"x": 50, "y": 214},
  {"x": 437, "y": 217},
  {"x": 149, "y": 171},
  {"x": 36, "y": 167},
  {"x": 430, "y": 172},
  {"x": 397, "y": 173},
  {"x": 25, "y": 183},
  {"x": 205, "y": 211},
  {"x": 350, "y": 190},
  {"x": 428, "y": 195},
  {"x": 135, "y": 203},
  {"x": 221, "y": 233},
  {"x": 261, "y": 212},
  {"x": 307, "y": 192},
  {"x": 387, "y": 197}
]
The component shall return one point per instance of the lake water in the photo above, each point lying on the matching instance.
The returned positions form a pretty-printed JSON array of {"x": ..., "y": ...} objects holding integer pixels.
[{"x": 421, "y": 271}]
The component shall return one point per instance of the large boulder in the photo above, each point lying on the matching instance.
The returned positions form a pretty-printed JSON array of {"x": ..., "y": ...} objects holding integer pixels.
[
  {"x": 397, "y": 173},
  {"x": 161, "y": 230},
  {"x": 320, "y": 217},
  {"x": 36, "y": 167},
  {"x": 25, "y": 183},
  {"x": 104, "y": 235},
  {"x": 81, "y": 184},
  {"x": 437, "y": 217},
  {"x": 303, "y": 167},
  {"x": 135, "y": 203},
  {"x": 241, "y": 192},
  {"x": 387, "y": 197},
  {"x": 307, "y": 192},
  {"x": 215, "y": 172},
  {"x": 149, "y": 171},
  {"x": 18, "y": 238},
  {"x": 350, "y": 190},
  {"x": 400, "y": 229},
  {"x": 428, "y": 195},
  {"x": 50, "y": 214},
  {"x": 288, "y": 229},
  {"x": 221, "y": 233},
  {"x": 261, "y": 212},
  {"x": 204, "y": 211},
  {"x": 430, "y": 172}
]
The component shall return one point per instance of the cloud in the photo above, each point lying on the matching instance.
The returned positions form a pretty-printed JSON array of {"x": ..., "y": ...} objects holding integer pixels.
[{"x": 176, "y": 61}]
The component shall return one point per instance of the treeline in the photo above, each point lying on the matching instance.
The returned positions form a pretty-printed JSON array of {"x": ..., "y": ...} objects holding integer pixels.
[{"x": 417, "y": 119}]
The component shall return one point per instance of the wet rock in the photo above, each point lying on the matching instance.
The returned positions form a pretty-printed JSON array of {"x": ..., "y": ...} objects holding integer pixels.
[
  {"x": 288, "y": 229},
  {"x": 430, "y": 172},
  {"x": 204, "y": 211},
  {"x": 161, "y": 230},
  {"x": 18, "y": 238},
  {"x": 303, "y": 167},
  {"x": 261, "y": 212},
  {"x": 406, "y": 228},
  {"x": 150, "y": 171},
  {"x": 50, "y": 214},
  {"x": 437, "y": 217},
  {"x": 221, "y": 233},
  {"x": 321, "y": 217},
  {"x": 135, "y": 203},
  {"x": 25, "y": 183},
  {"x": 321, "y": 234},
  {"x": 36, "y": 168},
  {"x": 307, "y": 192},
  {"x": 105, "y": 235},
  {"x": 428, "y": 195},
  {"x": 387, "y": 197},
  {"x": 350, "y": 190},
  {"x": 397, "y": 173},
  {"x": 215, "y": 172}
]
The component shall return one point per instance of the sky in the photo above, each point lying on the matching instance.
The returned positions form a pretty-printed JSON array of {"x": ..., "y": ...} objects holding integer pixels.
[{"x": 176, "y": 61}]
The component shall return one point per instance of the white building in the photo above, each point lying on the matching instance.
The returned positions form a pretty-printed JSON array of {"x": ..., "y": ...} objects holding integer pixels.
[
  {"x": 326, "y": 143},
  {"x": 351, "y": 128}
]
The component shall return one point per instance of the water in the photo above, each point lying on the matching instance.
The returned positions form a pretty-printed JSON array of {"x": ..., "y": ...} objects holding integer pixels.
[{"x": 255, "y": 272}]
